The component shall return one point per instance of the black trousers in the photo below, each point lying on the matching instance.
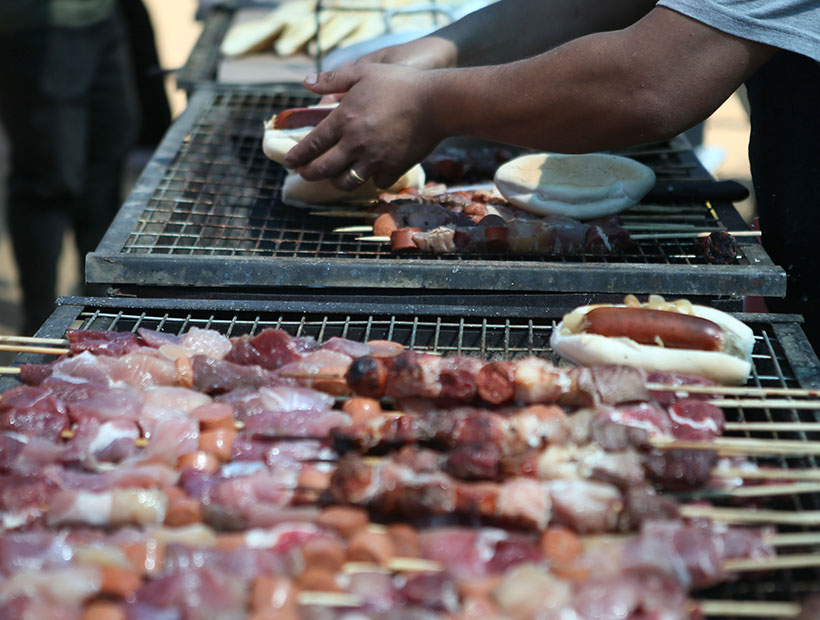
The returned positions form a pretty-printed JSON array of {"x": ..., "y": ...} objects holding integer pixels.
[
  {"x": 67, "y": 103},
  {"x": 784, "y": 152}
]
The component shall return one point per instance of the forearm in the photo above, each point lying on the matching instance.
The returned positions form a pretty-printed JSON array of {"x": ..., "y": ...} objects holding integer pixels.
[
  {"x": 598, "y": 92},
  {"x": 514, "y": 29}
]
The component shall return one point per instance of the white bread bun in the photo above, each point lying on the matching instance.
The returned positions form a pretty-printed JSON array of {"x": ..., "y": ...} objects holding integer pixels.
[
  {"x": 732, "y": 365},
  {"x": 298, "y": 192},
  {"x": 301, "y": 193},
  {"x": 277, "y": 142},
  {"x": 582, "y": 187}
]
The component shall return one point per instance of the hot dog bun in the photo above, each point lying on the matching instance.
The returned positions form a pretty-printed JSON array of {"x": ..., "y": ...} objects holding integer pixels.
[
  {"x": 582, "y": 187},
  {"x": 730, "y": 365},
  {"x": 277, "y": 142},
  {"x": 301, "y": 193}
]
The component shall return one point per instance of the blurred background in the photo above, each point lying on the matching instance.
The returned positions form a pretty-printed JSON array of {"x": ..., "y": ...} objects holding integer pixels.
[{"x": 725, "y": 138}]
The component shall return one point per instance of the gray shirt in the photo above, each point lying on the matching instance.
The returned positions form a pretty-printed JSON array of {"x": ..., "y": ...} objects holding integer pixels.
[{"x": 792, "y": 25}]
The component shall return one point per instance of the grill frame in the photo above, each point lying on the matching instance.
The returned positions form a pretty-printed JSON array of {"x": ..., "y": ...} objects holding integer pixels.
[
  {"x": 792, "y": 358},
  {"x": 201, "y": 65},
  {"x": 172, "y": 182}
]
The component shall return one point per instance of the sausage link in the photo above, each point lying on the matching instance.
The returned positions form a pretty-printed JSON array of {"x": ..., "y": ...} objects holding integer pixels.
[
  {"x": 644, "y": 326},
  {"x": 385, "y": 224},
  {"x": 300, "y": 117},
  {"x": 367, "y": 376},
  {"x": 495, "y": 382},
  {"x": 401, "y": 239}
]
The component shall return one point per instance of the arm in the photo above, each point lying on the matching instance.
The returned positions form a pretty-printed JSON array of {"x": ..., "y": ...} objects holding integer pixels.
[
  {"x": 645, "y": 82},
  {"x": 509, "y": 30}
]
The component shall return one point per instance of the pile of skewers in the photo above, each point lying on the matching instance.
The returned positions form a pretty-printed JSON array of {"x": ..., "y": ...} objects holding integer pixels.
[{"x": 152, "y": 475}]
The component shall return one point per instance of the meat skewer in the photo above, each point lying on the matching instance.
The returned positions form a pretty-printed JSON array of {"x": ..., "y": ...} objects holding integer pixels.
[
  {"x": 653, "y": 386},
  {"x": 326, "y": 550}
]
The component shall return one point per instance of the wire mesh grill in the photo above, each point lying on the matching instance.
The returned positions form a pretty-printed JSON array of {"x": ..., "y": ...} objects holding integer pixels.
[
  {"x": 207, "y": 212},
  {"x": 221, "y": 197},
  {"x": 495, "y": 338}
]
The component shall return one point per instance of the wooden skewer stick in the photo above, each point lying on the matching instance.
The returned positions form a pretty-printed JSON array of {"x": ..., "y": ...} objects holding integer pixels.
[
  {"x": 795, "y": 560},
  {"x": 748, "y": 609},
  {"x": 353, "y": 229},
  {"x": 374, "y": 239},
  {"x": 329, "y": 599},
  {"x": 688, "y": 235},
  {"x": 9, "y": 370},
  {"x": 749, "y": 516},
  {"x": 793, "y": 427},
  {"x": 733, "y": 391},
  {"x": 22, "y": 348},
  {"x": 743, "y": 446},
  {"x": 772, "y": 403},
  {"x": 791, "y": 539},
  {"x": 760, "y": 490},
  {"x": 767, "y": 474},
  {"x": 670, "y": 228},
  {"x": 33, "y": 340}
]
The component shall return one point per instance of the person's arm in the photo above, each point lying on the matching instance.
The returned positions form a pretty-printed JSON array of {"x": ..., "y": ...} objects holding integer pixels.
[
  {"x": 510, "y": 30},
  {"x": 646, "y": 82}
]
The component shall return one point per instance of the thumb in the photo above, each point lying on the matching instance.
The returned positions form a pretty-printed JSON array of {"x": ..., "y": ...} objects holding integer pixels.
[{"x": 332, "y": 82}]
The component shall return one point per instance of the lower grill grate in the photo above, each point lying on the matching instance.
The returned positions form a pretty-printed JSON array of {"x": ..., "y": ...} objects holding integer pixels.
[{"x": 782, "y": 358}]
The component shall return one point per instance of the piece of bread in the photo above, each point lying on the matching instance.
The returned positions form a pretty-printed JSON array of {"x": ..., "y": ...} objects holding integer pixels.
[
  {"x": 298, "y": 192},
  {"x": 582, "y": 187},
  {"x": 730, "y": 365}
]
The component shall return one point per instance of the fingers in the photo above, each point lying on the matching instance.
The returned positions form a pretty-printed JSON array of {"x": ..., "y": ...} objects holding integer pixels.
[
  {"x": 323, "y": 137},
  {"x": 334, "y": 163},
  {"x": 330, "y": 82},
  {"x": 352, "y": 178},
  {"x": 332, "y": 98}
]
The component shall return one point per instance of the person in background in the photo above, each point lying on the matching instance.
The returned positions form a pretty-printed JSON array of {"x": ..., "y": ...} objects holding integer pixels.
[
  {"x": 67, "y": 103},
  {"x": 584, "y": 75}
]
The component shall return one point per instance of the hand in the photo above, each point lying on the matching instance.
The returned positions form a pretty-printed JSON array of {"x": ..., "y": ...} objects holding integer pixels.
[
  {"x": 430, "y": 52},
  {"x": 380, "y": 129}
]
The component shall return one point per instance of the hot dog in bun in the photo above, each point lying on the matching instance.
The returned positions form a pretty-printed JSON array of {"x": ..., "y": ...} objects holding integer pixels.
[
  {"x": 283, "y": 131},
  {"x": 658, "y": 335}
]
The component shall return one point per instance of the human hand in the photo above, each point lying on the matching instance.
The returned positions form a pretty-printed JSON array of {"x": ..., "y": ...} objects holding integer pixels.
[
  {"x": 380, "y": 129},
  {"x": 430, "y": 52}
]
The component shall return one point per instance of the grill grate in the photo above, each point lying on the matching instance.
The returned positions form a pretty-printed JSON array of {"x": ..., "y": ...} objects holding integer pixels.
[
  {"x": 210, "y": 193},
  {"x": 782, "y": 358}
]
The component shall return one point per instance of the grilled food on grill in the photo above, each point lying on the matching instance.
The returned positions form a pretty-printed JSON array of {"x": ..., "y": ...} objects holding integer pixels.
[
  {"x": 285, "y": 129},
  {"x": 130, "y": 494},
  {"x": 676, "y": 337},
  {"x": 583, "y": 187}
]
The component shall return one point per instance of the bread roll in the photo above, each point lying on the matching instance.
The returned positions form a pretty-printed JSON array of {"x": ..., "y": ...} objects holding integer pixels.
[
  {"x": 732, "y": 364},
  {"x": 582, "y": 187},
  {"x": 298, "y": 192}
]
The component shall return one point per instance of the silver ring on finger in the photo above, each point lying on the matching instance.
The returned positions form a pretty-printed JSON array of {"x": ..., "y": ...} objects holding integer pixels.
[{"x": 356, "y": 177}]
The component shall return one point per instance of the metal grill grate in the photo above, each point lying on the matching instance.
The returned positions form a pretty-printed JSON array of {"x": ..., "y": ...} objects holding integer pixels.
[
  {"x": 210, "y": 193},
  {"x": 782, "y": 358}
]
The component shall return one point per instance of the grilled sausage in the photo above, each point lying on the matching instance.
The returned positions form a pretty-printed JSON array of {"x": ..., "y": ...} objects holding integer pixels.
[
  {"x": 401, "y": 240},
  {"x": 300, "y": 117},
  {"x": 661, "y": 327}
]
